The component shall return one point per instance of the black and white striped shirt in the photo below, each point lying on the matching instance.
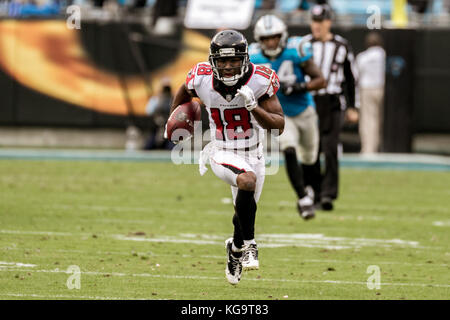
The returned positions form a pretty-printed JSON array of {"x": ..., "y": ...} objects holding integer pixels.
[{"x": 336, "y": 61}]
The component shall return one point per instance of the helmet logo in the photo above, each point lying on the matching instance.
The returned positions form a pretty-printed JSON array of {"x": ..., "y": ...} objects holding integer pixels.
[{"x": 227, "y": 52}]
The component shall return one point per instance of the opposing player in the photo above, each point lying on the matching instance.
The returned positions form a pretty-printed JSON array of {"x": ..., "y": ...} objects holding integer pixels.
[
  {"x": 291, "y": 59},
  {"x": 241, "y": 102}
]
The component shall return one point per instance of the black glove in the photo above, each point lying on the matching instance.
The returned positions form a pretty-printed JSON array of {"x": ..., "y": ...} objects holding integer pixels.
[{"x": 298, "y": 87}]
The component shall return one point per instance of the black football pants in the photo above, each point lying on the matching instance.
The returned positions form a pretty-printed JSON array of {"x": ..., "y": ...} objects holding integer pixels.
[{"x": 326, "y": 182}]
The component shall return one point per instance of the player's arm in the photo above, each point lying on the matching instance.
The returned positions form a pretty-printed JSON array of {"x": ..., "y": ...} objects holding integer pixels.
[
  {"x": 309, "y": 68},
  {"x": 267, "y": 110},
  {"x": 269, "y": 113},
  {"x": 317, "y": 80},
  {"x": 183, "y": 95},
  {"x": 312, "y": 70},
  {"x": 187, "y": 90}
]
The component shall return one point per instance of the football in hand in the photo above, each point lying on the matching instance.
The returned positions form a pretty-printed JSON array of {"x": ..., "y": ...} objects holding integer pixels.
[{"x": 180, "y": 125}]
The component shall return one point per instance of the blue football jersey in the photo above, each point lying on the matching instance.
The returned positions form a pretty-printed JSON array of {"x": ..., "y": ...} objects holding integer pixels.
[{"x": 287, "y": 67}]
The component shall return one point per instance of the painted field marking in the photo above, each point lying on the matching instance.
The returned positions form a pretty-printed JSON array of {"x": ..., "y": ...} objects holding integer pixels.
[
  {"x": 57, "y": 296},
  {"x": 264, "y": 240},
  {"x": 283, "y": 203},
  {"x": 282, "y": 240},
  {"x": 164, "y": 239},
  {"x": 367, "y": 212},
  {"x": 186, "y": 256},
  {"x": 373, "y": 262},
  {"x": 4, "y": 264},
  {"x": 194, "y": 277},
  {"x": 43, "y": 233},
  {"x": 379, "y": 207},
  {"x": 117, "y": 208},
  {"x": 441, "y": 223}
]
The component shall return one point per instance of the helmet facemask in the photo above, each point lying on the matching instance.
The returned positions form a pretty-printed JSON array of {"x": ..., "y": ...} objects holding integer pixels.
[
  {"x": 270, "y": 26},
  {"x": 273, "y": 52},
  {"x": 229, "y": 44},
  {"x": 229, "y": 53}
]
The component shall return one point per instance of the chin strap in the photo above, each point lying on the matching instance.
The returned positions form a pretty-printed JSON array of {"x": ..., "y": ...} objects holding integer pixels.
[
  {"x": 272, "y": 53},
  {"x": 229, "y": 83}
]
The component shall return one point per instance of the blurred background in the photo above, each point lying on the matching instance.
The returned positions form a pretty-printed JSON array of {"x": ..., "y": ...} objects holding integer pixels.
[{"x": 101, "y": 73}]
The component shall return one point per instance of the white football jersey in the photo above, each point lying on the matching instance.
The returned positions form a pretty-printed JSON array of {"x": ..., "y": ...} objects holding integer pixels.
[{"x": 232, "y": 125}]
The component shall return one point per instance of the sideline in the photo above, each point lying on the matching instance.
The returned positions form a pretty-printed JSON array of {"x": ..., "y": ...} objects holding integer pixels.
[{"x": 376, "y": 161}]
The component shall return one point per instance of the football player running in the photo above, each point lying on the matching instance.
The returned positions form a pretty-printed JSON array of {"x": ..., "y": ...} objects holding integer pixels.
[
  {"x": 241, "y": 102},
  {"x": 292, "y": 59}
]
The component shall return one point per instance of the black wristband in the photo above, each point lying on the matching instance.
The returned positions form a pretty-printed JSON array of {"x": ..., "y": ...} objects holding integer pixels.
[{"x": 300, "y": 87}]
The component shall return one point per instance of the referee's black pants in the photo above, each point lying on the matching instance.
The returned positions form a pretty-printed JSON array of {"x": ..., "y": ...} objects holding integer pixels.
[{"x": 326, "y": 182}]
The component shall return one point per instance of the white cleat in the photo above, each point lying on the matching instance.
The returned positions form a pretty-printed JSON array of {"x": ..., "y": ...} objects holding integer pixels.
[
  {"x": 305, "y": 207},
  {"x": 233, "y": 270},
  {"x": 250, "y": 261},
  {"x": 309, "y": 191}
]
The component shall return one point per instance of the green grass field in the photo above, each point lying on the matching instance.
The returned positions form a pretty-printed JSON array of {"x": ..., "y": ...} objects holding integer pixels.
[{"x": 147, "y": 230}]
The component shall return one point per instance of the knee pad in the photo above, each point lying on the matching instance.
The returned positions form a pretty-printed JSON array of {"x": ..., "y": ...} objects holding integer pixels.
[{"x": 308, "y": 159}]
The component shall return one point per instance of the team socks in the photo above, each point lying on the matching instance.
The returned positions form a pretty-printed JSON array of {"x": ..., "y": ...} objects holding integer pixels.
[
  {"x": 244, "y": 218},
  {"x": 295, "y": 172}
]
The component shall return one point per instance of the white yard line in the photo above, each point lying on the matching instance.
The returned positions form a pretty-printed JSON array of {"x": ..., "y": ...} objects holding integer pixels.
[
  {"x": 441, "y": 223},
  {"x": 4, "y": 264},
  {"x": 165, "y": 239},
  {"x": 194, "y": 277},
  {"x": 100, "y": 208},
  {"x": 370, "y": 262},
  {"x": 185, "y": 256},
  {"x": 148, "y": 209},
  {"x": 283, "y": 203},
  {"x": 43, "y": 233},
  {"x": 265, "y": 240},
  {"x": 284, "y": 240},
  {"x": 62, "y": 296}
]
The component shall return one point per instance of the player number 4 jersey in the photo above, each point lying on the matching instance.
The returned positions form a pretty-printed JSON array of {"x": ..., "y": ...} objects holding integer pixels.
[
  {"x": 232, "y": 125},
  {"x": 287, "y": 66}
]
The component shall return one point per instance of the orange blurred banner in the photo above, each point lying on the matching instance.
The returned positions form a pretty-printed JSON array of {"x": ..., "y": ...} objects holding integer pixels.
[{"x": 49, "y": 58}]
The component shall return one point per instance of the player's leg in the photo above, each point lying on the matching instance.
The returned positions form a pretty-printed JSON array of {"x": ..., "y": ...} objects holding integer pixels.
[
  {"x": 294, "y": 171},
  {"x": 244, "y": 218},
  {"x": 308, "y": 153},
  {"x": 289, "y": 143},
  {"x": 246, "y": 206},
  {"x": 250, "y": 259},
  {"x": 235, "y": 171},
  {"x": 312, "y": 177},
  {"x": 309, "y": 137},
  {"x": 250, "y": 255}
]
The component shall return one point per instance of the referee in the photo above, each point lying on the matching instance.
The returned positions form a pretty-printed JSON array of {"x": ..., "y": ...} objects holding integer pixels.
[{"x": 334, "y": 56}]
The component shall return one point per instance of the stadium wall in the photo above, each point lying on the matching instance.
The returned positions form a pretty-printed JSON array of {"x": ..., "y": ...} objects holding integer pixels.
[{"x": 103, "y": 75}]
